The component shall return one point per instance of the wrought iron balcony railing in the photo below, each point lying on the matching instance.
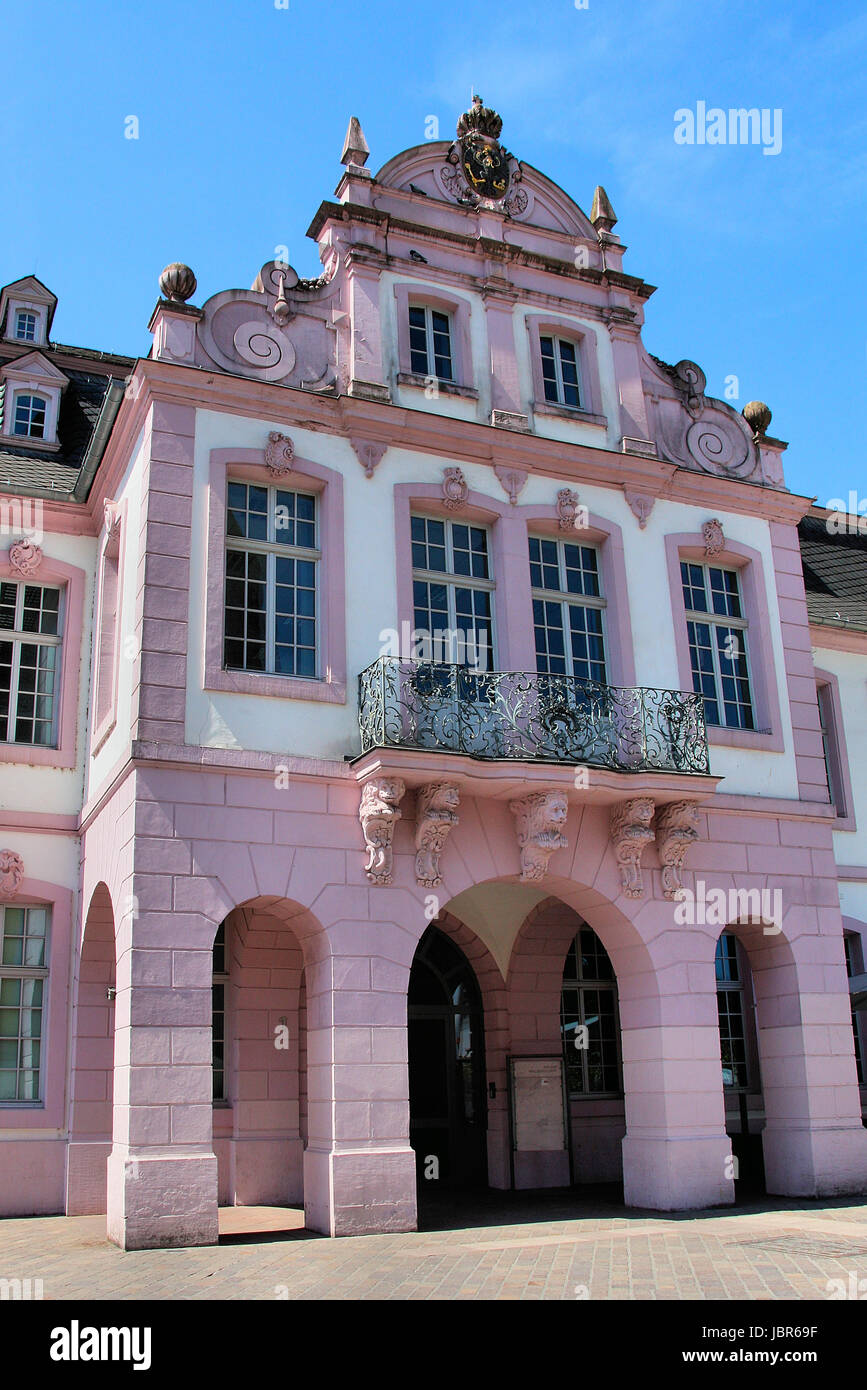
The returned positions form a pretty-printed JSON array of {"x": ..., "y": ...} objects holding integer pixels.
[{"x": 522, "y": 716}]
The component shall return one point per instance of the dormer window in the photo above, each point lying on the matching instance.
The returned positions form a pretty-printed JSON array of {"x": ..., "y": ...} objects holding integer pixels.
[
  {"x": 430, "y": 342},
  {"x": 25, "y": 326},
  {"x": 560, "y": 371},
  {"x": 30, "y": 412}
]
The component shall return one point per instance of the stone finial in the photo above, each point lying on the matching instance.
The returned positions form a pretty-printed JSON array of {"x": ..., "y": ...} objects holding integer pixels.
[
  {"x": 676, "y": 828},
  {"x": 455, "y": 489},
  {"x": 602, "y": 214},
  {"x": 25, "y": 556},
  {"x": 714, "y": 537},
  {"x": 436, "y": 816},
  {"x": 177, "y": 283},
  {"x": 355, "y": 148},
  {"x": 758, "y": 417},
  {"x": 11, "y": 873},
  {"x": 630, "y": 831},
  {"x": 539, "y": 821},
  {"x": 378, "y": 812}
]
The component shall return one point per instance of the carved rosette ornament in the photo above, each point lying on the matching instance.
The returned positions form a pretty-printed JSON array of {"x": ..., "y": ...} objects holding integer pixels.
[
  {"x": 369, "y": 453},
  {"x": 279, "y": 454},
  {"x": 455, "y": 490},
  {"x": 378, "y": 812},
  {"x": 539, "y": 821},
  {"x": 11, "y": 873},
  {"x": 676, "y": 829},
  {"x": 25, "y": 557},
  {"x": 714, "y": 539},
  {"x": 436, "y": 817},
  {"x": 567, "y": 508},
  {"x": 630, "y": 830}
]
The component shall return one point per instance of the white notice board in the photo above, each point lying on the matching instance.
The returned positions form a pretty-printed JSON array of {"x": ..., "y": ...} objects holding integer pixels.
[{"x": 538, "y": 1104}]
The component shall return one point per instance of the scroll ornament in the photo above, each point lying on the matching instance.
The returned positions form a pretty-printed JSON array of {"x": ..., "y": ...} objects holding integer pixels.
[
  {"x": 567, "y": 508},
  {"x": 378, "y": 812},
  {"x": 676, "y": 829},
  {"x": 279, "y": 454},
  {"x": 436, "y": 817},
  {"x": 630, "y": 830},
  {"x": 25, "y": 557},
  {"x": 539, "y": 821},
  {"x": 714, "y": 539},
  {"x": 11, "y": 873},
  {"x": 455, "y": 490}
]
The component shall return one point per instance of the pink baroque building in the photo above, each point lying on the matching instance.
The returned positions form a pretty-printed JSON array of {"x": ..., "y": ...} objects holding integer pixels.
[{"x": 424, "y": 765}]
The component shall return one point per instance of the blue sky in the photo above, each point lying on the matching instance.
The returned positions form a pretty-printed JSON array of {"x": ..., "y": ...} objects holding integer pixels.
[{"x": 242, "y": 108}]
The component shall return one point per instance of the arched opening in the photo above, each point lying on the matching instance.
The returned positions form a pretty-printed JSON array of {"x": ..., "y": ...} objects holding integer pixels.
[
  {"x": 258, "y": 1059},
  {"x": 92, "y": 1081},
  {"x": 590, "y": 1023},
  {"x": 447, "y": 1092},
  {"x": 739, "y": 1056}
]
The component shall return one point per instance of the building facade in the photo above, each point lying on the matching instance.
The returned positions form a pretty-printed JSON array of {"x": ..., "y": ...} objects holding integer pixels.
[{"x": 423, "y": 761}]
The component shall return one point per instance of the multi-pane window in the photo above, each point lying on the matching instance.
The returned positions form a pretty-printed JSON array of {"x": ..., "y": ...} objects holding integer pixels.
[
  {"x": 220, "y": 980},
  {"x": 717, "y": 631},
  {"x": 830, "y": 749},
  {"x": 560, "y": 372},
  {"x": 25, "y": 326},
  {"x": 29, "y": 417},
  {"x": 271, "y": 580},
  {"x": 452, "y": 591},
  {"x": 430, "y": 342},
  {"x": 732, "y": 1016},
  {"x": 567, "y": 609},
  {"x": 852, "y": 947},
  {"x": 589, "y": 1018},
  {"x": 23, "y": 973},
  {"x": 30, "y": 622}
]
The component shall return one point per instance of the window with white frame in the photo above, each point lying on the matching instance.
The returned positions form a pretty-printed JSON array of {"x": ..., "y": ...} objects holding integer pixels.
[
  {"x": 567, "y": 609},
  {"x": 24, "y": 931},
  {"x": 732, "y": 1013},
  {"x": 29, "y": 415},
  {"x": 560, "y": 376},
  {"x": 220, "y": 979},
  {"x": 272, "y": 571},
  {"x": 452, "y": 591},
  {"x": 430, "y": 342},
  {"x": 589, "y": 1019},
  {"x": 25, "y": 326},
  {"x": 717, "y": 632},
  {"x": 30, "y": 645},
  {"x": 854, "y": 966}
]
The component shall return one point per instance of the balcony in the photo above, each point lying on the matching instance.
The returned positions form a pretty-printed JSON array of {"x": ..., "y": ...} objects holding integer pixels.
[{"x": 523, "y": 716}]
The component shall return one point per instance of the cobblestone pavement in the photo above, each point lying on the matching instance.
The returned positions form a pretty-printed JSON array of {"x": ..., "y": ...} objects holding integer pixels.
[{"x": 550, "y": 1247}]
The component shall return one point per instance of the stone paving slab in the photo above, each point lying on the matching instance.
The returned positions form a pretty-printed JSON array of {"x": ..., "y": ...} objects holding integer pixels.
[{"x": 776, "y": 1250}]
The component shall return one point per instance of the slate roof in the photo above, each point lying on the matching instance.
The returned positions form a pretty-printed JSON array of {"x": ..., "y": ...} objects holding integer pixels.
[
  {"x": 29, "y": 469},
  {"x": 835, "y": 573}
]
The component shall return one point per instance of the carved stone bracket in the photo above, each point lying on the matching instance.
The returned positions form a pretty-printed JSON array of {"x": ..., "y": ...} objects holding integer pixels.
[
  {"x": 512, "y": 481},
  {"x": 25, "y": 557},
  {"x": 676, "y": 829},
  {"x": 436, "y": 817},
  {"x": 111, "y": 512},
  {"x": 378, "y": 812},
  {"x": 630, "y": 830},
  {"x": 640, "y": 504},
  {"x": 539, "y": 821},
  {"x": 714, "y": 538},
  {"x": 567, "y": 508},
  {"x": 369, "y": 453},
  {"x": 11, "y": 873},
  {"x": 279, "y": 454},
  {"x": 455, "y": 489}
]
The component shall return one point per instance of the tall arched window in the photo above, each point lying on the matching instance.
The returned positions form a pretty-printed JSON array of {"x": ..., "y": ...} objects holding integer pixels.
[{"x": 589, "y": 1019}]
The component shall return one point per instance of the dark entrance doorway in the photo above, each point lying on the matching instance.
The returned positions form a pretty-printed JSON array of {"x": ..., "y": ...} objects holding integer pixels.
[{"x": 447, "y": 1102}]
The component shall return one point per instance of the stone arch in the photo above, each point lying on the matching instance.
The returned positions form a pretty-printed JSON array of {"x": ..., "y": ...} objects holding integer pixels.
[{"x": 92, "y": 1072}]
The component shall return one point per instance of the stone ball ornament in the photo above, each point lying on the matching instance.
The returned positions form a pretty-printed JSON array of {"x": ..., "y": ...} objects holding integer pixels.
[
  {"x": 177, "y": 282},
  {"x": 758, "y": 417}
]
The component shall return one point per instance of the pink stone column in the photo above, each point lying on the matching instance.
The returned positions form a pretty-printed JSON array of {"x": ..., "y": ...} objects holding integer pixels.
[
  {"x": 627, "y": 366},
  {"x": 675, "y": 1152},
  {"x": 505, "y": 377},
  {"x": 359, "y": 1169},
  {"x": 515, "y": 635},
  {"x": 162, "y": 1171}
]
